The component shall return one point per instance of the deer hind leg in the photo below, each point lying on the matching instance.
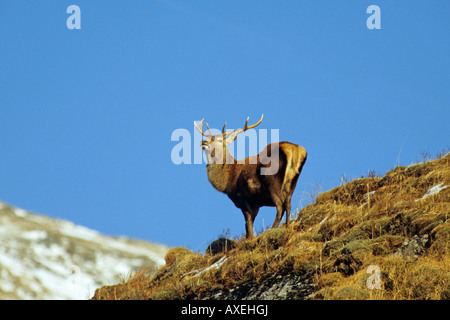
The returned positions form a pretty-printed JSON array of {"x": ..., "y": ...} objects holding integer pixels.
[
  {"x": 279, "y": 216},
  {"x": 287, "y": 201},
  {"x": 288, "y": 212},
  {"x": 280, "y": 211}
]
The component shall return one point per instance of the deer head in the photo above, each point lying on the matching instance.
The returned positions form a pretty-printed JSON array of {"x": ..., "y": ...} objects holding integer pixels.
[{"x": 215, "y": 146}]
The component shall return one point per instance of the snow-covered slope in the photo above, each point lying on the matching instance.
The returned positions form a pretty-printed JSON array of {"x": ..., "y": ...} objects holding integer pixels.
[{"x": 45, "y": 258}]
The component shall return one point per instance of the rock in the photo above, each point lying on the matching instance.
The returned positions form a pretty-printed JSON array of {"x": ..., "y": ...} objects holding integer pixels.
[
  {"x": 347, "y": 264},
  {"x": 413, "y": 248},
  {"x": 273, "y": 287},
  {"x": 220, "y": 245}
]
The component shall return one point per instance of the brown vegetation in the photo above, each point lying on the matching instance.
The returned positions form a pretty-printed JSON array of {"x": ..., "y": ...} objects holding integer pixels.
[{"x": 373, "y": 221}]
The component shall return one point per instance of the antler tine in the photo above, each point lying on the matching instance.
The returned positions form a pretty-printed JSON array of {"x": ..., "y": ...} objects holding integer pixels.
[
  {"x": 209, "y": 130},
  {"x": 246, "y": 127},
  {"x": 246, "y": 123},
  {"x": 225, "y": 133},
  {"x": 200, "y": 128}
]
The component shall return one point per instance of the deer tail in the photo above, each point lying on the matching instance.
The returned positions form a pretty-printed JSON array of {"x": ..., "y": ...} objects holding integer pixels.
[{"x": 295, "y": 159}]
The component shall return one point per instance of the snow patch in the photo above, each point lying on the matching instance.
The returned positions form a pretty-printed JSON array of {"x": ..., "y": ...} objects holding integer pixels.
[
  {"x": 197, "y": 272},
  {"x": 45, "y": 258},
  {"x": 35, "y": 235},
  {"x": 433, "y": 191},
  {"x": 323, "y": 220},
  {"x": 368, "y": 195},
  {"x": 215, "y": 265},
  {"x": 20, "y": 212}
]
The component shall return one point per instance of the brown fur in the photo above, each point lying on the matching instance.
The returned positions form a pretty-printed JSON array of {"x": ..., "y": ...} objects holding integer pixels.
[{"x": 249, "y": 190}]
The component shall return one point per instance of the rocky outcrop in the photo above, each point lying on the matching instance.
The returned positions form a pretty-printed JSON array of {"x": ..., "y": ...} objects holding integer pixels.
[
  {"x": 413, "y": 248},
  {"x": 272, "y": 287},
  {"x": 220, "y": 245}
]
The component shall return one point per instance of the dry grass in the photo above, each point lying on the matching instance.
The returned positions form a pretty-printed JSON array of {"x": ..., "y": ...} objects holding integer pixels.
[{"x": 332, "y": 242}]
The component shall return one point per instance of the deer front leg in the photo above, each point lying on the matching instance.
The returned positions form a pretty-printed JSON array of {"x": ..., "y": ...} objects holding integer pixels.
[
  {"x": 249, "y": 215},
  {"x": 248, "y": 224}
]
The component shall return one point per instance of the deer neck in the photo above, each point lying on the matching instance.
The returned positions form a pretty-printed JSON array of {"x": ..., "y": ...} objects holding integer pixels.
[{"x": 220, "y": 172}]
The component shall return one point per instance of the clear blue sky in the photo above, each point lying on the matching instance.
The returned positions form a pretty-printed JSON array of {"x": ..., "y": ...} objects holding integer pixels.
[{"x": 86, "y": 116}]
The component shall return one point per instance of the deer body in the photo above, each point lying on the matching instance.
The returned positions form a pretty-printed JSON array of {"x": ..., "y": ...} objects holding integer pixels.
[{"x": 244, "y": 181}]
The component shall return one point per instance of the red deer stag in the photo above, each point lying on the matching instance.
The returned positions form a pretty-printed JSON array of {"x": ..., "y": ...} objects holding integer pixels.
[{"x": 250, "y": 183}]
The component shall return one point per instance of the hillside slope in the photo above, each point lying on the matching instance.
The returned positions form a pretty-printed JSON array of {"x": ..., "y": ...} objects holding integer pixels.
[
  {"x": 372, "y": 238},
  {"x": 45, "y": 258}
]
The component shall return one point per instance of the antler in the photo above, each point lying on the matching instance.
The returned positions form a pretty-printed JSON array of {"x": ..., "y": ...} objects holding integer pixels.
[
  {"x": 246, "y": 127},
  {"x": 224, "y": 133},
  {"x": 201, "y": 130}
]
